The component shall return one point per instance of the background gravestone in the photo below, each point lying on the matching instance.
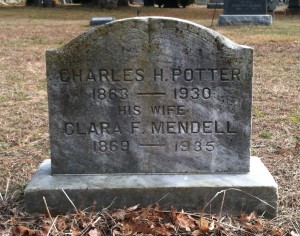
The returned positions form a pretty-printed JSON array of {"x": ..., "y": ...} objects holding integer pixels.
[
  {"x": 245, "y": 12},
  {"x": 147, "y": 105},
  {"x": 201, "y": 2},
  {"x": 245, "y": 7},
  {"x": 215, "y": 4},
  {"x": 294, "y": 6}
]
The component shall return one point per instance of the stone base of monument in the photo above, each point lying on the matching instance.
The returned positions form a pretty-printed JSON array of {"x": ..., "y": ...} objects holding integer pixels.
[
  {"x": 245, "y": 20},
  {"x": 215, "y": 5},
  {"x": 255, "y": 190}
]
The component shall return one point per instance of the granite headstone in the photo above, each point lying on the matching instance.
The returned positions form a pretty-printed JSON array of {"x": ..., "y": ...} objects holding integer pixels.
[
  {"x": 149, "y": 103},
  {"x": 143, "y": 107},
  {"x": 294, "y": 6},
  {"x": 201, "y": 2},
  {"x": 215, "y": 4},
  {"x": 245, "y": 7},
  {"x": 245, "y": 12}
]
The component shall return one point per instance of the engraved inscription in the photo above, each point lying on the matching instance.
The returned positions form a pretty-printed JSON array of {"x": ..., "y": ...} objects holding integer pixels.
[
  {"x": 111, "y": 146},
  {"x": 133, "y": 110},
  {"x": 192, "y": 127},
  {"x": 159, "y": 75},
  {"x": 168, "y": 127},
  {"x": 211, "y": 74},
  {"x": 101, "y": 75},
  {"x": 193, "y": 93},
  {"x": 102, "y": 93},
  {"x": 104, "y": 89},
  {"x": 168, "y": 110},
  {"x": 196, "y": 146}
]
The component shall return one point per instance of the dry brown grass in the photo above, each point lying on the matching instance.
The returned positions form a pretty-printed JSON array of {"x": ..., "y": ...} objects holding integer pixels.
[{"x": 25, "y": 34}]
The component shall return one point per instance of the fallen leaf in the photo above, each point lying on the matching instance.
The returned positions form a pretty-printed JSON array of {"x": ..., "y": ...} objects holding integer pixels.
[
  {"x": 75, "y": 231},
  {"x": 203, "y": 225},
  {"x": 60, "y": 224},
  {"x": 173, "y": 214},
  {"x": 116, "y": 232},
  {"x": 160, "y": 230},
  {"x": 119, "y": 215},
  {"x": 255, "y": 227},
  {"x": 196, "y": 233},
  {"x": 4, "y": 232},
  {"x": 253, "y": 215},
  {"x": 133, "y": 208},
  {"x": 157, "y": 207},
  {"x": 23, "y": 231},
  {"x": 212, "y": 225},
  {"x": 170, "y": 226},
  {"x": 137, "y": 227},
  {"x": 277, "y": 232},
  {"x": 45, "y": 229},
  {"x": 94, "y": 232},
  {"x": 145, "y": 213},
  {"x": 183, "y": 221},
  {"x": 293, "y": 233},
  {"x": 247, "y": 218}
]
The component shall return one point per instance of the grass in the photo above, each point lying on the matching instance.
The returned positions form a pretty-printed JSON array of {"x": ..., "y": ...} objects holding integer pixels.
[
  {"x": 295, "y": 117},
  {"x": 27, "y": 32},
  {"x": 257, "y": 113},
  {"x": 265, "y": 134}
]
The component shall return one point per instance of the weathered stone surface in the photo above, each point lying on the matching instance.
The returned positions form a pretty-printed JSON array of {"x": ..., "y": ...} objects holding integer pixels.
[
  {"x": 150, "y": 95},
  {"x": 182, "y": 191},
  {"x": 245, "y": 7},
  {"x": 245, "y": 20}
]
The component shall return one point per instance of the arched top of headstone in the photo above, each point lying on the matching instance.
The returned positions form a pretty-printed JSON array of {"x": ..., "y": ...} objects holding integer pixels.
[{"x": 148, "y": 34}]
